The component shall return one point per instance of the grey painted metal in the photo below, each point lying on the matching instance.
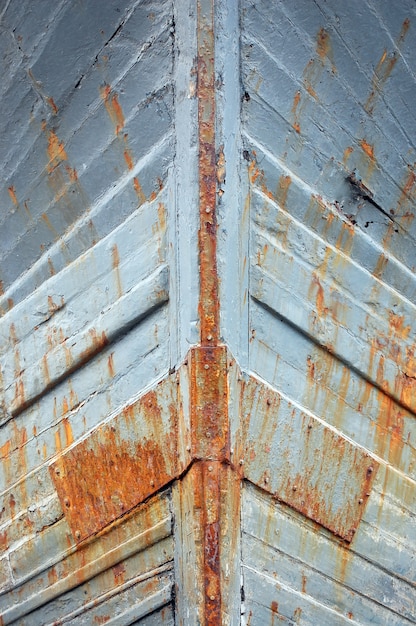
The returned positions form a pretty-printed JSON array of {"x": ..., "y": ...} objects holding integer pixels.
[{"x": 99, "y": 303}]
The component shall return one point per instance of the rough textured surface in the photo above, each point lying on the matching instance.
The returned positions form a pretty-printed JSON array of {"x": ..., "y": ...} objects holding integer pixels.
[{"x": 208, "y": 206}]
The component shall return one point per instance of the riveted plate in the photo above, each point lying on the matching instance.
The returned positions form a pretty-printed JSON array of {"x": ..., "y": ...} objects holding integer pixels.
[
  {"x": 121, "y": 463},
  {"x": 302, "y": 462}
]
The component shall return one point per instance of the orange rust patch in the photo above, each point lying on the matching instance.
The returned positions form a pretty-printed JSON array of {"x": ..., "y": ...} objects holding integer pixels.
[
  {"x": 139, "y": 191},
  {"x": 295, "y": 112},
  {"x": 322, "y": 43},
  {"x": 116, "y": 267},
  {"x": 397, "y": 324},
  {"x": 12, "y": 194},
  {"x": 367, "y": 148},
  {"x": 317, "y": 288},
  {"x": 52, "y": 104},
  {"x": 69, "y": 437},
  {"x": 56, "y": 151},
  {"x": 110, "y": 364},
  {"x": 347, "y": 153},
  {"x": 383, "y": 70},
  {"x": 97, "y": 343},
  {"x": 72, "y": 173},
  {"x": 282, "y": 190},
  {"x": 128, "y": 159},
  {"x": 113, "y": 108},
  {"x": 120, "y": 464}
]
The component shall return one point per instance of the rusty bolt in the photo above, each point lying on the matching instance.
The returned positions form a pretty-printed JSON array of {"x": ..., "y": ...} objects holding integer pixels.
[
  {"x": 212, "y": 598},
  {"x": 152, "y": 483},
  {"x": 188, "y": 448},
  {"x": 266, "y": 480},
  {"x": 206, "y": 366},
  {"x": 370, "y": 470},
  {"x": 209, "y": 337},
  {"x": 121, "y": 505},
  {"x": 360, "y": 501},
  {"x": 231, "y": 450},
  {"x": 294, "y": 488},
  {"x": 309, "y": 426},
  {"x": 67, "y": 502},
  {"x": 77, "y": 534},
  {"x": 367, "y": 494},
  {"x": 149, "y": 403},
  {"x": 268, "y": 401},
  {"x": 210, "y": 468},
  {"x": 241, "y": 461},
  {"x": 57, "y": 471},
  {"x": 207, "y": 210}
]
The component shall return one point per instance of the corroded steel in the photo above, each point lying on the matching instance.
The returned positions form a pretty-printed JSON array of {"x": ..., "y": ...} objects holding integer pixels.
[
  {"x": 283, "y": 449},
  {"x": 302, "y": 462},
  {"x": 209, "y": 403},
  {"x": 207, "y": 239},
  {"x": 121, "y": 463}
]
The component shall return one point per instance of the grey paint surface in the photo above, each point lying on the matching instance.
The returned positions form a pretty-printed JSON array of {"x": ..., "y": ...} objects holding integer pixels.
[{"x": 100, "y": 291}]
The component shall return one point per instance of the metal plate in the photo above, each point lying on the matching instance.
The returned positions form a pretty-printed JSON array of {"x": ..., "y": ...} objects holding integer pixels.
[
  {"x": 303, "y": 463},
  {"x": 121, "y": 463}
]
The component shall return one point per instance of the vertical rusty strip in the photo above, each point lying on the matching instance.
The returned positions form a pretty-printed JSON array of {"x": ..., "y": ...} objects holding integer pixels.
[
  {"x": 208, "y": 296},
  {"x": 208, "y": 374},
  {"x": 209, "y": 403}
]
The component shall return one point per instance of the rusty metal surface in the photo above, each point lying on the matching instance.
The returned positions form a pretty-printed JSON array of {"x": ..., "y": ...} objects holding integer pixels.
[
  {"x": 121, "y": 463},
  {"x": 209, "y": 171},
  {"x": 213, "y": 298},
  {"x": 209, "y": 403},
  {"x": 302, "y": 462}
]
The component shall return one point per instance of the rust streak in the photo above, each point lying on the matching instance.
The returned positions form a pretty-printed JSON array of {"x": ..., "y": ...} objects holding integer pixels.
[
  {"x": 56, "y": 151},
  {"x": 12, "y": 194},
  {"x": 113, "y": 108},
  {"x": 116, "y": 267}
]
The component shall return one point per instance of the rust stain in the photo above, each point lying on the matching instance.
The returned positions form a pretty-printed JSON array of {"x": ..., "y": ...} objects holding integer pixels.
[
  {"x": 323, "y": 43},
  {"x": 283, "y": 190},
  {"x": 209, "y": 403},
  {"x": 116, "y": 267},
  {"x": 56, "y": 151},
  {"x": 110, "y": 365},
  {"x": 383, "y": 70},
  {"x": 367, "y": 148},
  {"x": 347, "y": 153},
  {"x": 97, "y": 343},
  {"x": 51, "y": 267},
  {"x": 207, "y": 235},
  {"x": 113, "y": 108},
  {"x": 107, "y": 475},
  {"x": 72, "y": 174},
  {"x": 101, "y": 619},
  {"x": 138, "y": 189},
  {"x": 128, "y": 159},
  {"x": 396, "y": 323},
  {"x": 405, "y": 204},
  {"x": 296, "y": 112},
  {"x": 52, "y": 104},
  {"x": 12, "y": 194},
  {"x": 316, "y": 290},
  {"x": 69, "y": 437}
]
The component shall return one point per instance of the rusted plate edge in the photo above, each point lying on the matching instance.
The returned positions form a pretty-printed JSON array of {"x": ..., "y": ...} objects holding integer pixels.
[
  {"x": 303, "y": 463},
  {"x": 122, "y": 463}
]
